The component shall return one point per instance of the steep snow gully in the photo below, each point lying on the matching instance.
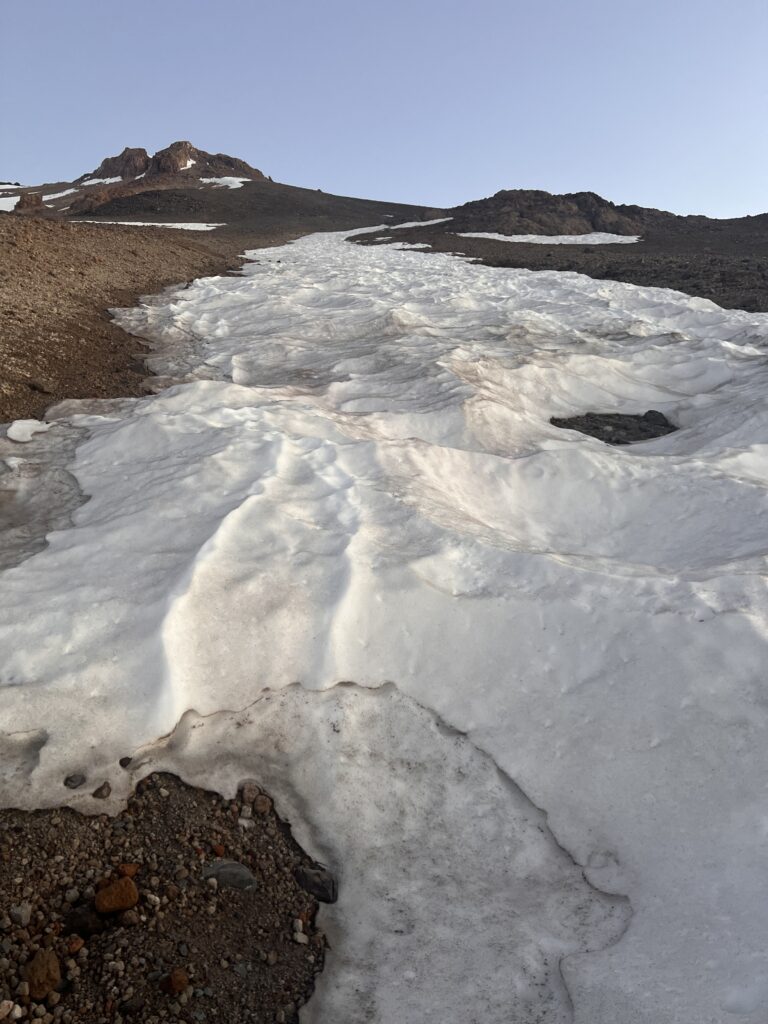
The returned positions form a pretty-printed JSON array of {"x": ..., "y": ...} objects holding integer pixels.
[{"x": 353, "y": 477}]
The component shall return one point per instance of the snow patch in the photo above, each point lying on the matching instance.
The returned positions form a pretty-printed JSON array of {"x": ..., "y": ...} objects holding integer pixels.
[
  {"x": 60, "y": 195},
  {"x": 153, "y": 224},
  {"x": 225, "y": 182},
  {"x": 593, "y": 238},
  {"x": 101, "y": 181},
  {"x": 24, "y": 430},
  {"x": 419, "y": 223}
]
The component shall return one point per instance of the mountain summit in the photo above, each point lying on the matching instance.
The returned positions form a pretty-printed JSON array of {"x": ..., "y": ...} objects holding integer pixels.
[{"x": 178, "y": 158}]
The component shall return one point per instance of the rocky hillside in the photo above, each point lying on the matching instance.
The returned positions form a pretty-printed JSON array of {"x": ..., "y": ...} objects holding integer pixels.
[
  {"x": 531, "y": 211},
  {"x": 180, "y": 165}
]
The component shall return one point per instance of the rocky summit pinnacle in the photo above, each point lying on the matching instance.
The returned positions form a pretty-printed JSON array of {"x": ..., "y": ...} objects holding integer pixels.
[{"x": 178, "y": 158}]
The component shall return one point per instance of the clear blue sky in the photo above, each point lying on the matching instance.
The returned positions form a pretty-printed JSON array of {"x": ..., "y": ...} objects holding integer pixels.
[{"x": 659, "y": 102}]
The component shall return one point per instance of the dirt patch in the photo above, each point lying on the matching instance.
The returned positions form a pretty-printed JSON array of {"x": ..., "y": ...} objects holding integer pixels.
[
  {"x": 58, "y": 278},
  {"x": 186, "y": 906},
  {"x": 56, "y": 282}
]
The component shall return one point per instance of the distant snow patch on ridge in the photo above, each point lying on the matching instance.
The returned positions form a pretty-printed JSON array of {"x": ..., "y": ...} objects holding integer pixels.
[
  {"x": 101, "y": 181},
  {"x": 225, "y": 182},
  {"x": 8, "y": 203},
  {"x": 418, "y": 223},
  {"x": 190, "y": 163},
  {"x": 60, "y": 195},
  {"x": 152, "y": 224},
  {"x": 593, "y": 238}
]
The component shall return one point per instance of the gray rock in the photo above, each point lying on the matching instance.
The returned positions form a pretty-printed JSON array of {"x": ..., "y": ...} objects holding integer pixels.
[
  {"x": 318, "y": 882},
  {"x": 21, "y": 914},
  {"x": 230, "y": 874},
  {"x": 74, "y": 781}
]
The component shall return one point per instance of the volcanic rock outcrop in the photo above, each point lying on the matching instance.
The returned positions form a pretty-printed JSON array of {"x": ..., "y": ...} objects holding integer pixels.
[
  {"x": 29, "y": 202},
  {"x": 128, "y": 164},
  {"x": 178, "y": 158},
  {"x": 532, "y": 211}
]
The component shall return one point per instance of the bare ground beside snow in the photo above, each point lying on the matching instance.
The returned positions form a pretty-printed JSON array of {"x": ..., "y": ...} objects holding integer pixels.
[{"x": 57, "y": 281}]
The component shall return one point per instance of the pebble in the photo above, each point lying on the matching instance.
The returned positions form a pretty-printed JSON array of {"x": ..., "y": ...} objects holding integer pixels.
[
  {"x": 175, "y": 982},
  {"x": 317, "y": 881},
  {"x": 21, "y": 914},
  {"x": 74, "y": 781},
  {"x": 121, "y": 894},
  {"x": 249, "y": 792},
  {"x": 103, "y": 791},
  {"x": 262, "y": 804},
  {"x": 43, "y": 973},
  {"x": 230, "y": 874}
]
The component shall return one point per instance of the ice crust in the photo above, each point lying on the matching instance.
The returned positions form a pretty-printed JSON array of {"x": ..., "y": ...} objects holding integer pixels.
[
  {"x": 593, "y": 238},
  {"x": 354, "y": 478}
]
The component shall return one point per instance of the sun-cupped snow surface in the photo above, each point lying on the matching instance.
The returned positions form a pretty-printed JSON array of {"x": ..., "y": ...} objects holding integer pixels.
[
  {"x": 225, "y": 182},
  {"x": 593, "y": 238},
  {"x": 350, "y": 546},
  {"x": 152, "y": 224}
]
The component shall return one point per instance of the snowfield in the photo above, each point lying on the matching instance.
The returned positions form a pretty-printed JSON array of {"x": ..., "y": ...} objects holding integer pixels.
[{"x": 507, "y": 681}]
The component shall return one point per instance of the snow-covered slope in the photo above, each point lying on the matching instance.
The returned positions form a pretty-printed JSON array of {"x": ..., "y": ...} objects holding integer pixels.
[{"x": 357, "y": 483}]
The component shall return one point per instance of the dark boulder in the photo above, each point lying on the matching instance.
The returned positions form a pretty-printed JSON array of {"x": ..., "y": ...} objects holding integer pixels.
[{"x": 618, "y": 428}]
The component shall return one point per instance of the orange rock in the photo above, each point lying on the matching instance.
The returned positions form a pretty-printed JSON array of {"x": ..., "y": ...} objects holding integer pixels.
[
  {"x": 128, "y": 870},
  {"x": 75, "y": 944},
  {"x": 175, "y": 982},
  {"x": 218, "y": 849},
  {"x": 121, "y": 894}
]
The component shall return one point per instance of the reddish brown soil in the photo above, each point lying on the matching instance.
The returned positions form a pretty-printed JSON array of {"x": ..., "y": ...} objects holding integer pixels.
[{"x": 57, "y": 280}]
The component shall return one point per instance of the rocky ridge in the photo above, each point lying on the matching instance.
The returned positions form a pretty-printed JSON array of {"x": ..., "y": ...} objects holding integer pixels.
[{"x": 180, "y": 157}]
